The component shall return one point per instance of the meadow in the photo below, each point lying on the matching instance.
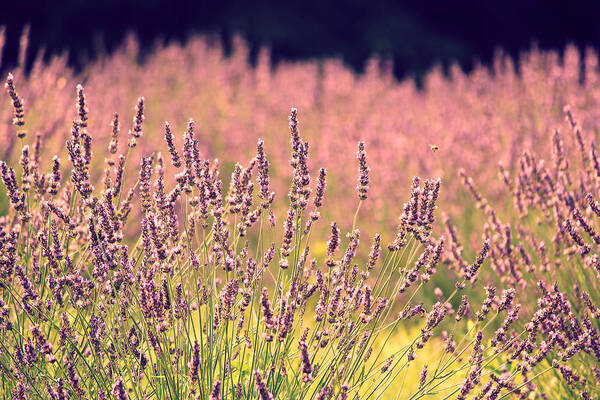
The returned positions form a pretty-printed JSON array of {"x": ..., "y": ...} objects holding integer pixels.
[{"x": 191, "y": 224}]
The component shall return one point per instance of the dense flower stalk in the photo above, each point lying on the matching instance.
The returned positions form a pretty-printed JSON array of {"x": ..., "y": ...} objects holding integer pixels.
[
  {"x": 363, "y": 172},
  {"x": 261, "y": 386},
  {"x": 215, "y": 393},
  {"x": 19, "y": 119}
]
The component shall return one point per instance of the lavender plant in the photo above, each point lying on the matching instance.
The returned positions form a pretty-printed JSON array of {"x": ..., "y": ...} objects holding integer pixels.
[
  {"x": 214, "y": 297},
  {"x": 548, "y": 249}
]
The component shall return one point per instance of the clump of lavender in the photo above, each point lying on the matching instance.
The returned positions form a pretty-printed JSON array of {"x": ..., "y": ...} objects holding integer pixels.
[
  {"x": 184, "y": 300},
  {"x": 560, "y": 246}
]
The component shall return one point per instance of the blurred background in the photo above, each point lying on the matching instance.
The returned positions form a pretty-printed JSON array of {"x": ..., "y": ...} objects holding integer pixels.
[{"x": 415, "y": 34}]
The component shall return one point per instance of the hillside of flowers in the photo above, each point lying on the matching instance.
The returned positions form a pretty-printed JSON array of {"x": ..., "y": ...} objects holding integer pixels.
[{"x": 191, "y": 224}]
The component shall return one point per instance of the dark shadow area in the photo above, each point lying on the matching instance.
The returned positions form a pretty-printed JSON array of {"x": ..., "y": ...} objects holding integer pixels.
[{"x": 415, "y": 34}]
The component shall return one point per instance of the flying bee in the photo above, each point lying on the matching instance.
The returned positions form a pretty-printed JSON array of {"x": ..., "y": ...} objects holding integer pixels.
[{"x": 434, "y": 147}]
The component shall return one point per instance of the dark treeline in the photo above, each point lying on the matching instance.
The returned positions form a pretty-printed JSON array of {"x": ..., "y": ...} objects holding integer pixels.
[{"x": 415, "y": 34}]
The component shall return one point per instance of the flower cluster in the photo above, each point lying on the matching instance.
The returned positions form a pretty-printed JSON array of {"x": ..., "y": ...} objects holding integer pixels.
[{"x": 123, "y": 275}]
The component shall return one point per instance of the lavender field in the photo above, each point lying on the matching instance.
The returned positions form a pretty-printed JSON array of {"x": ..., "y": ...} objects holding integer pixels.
[{"x": 299, "y": 230}]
